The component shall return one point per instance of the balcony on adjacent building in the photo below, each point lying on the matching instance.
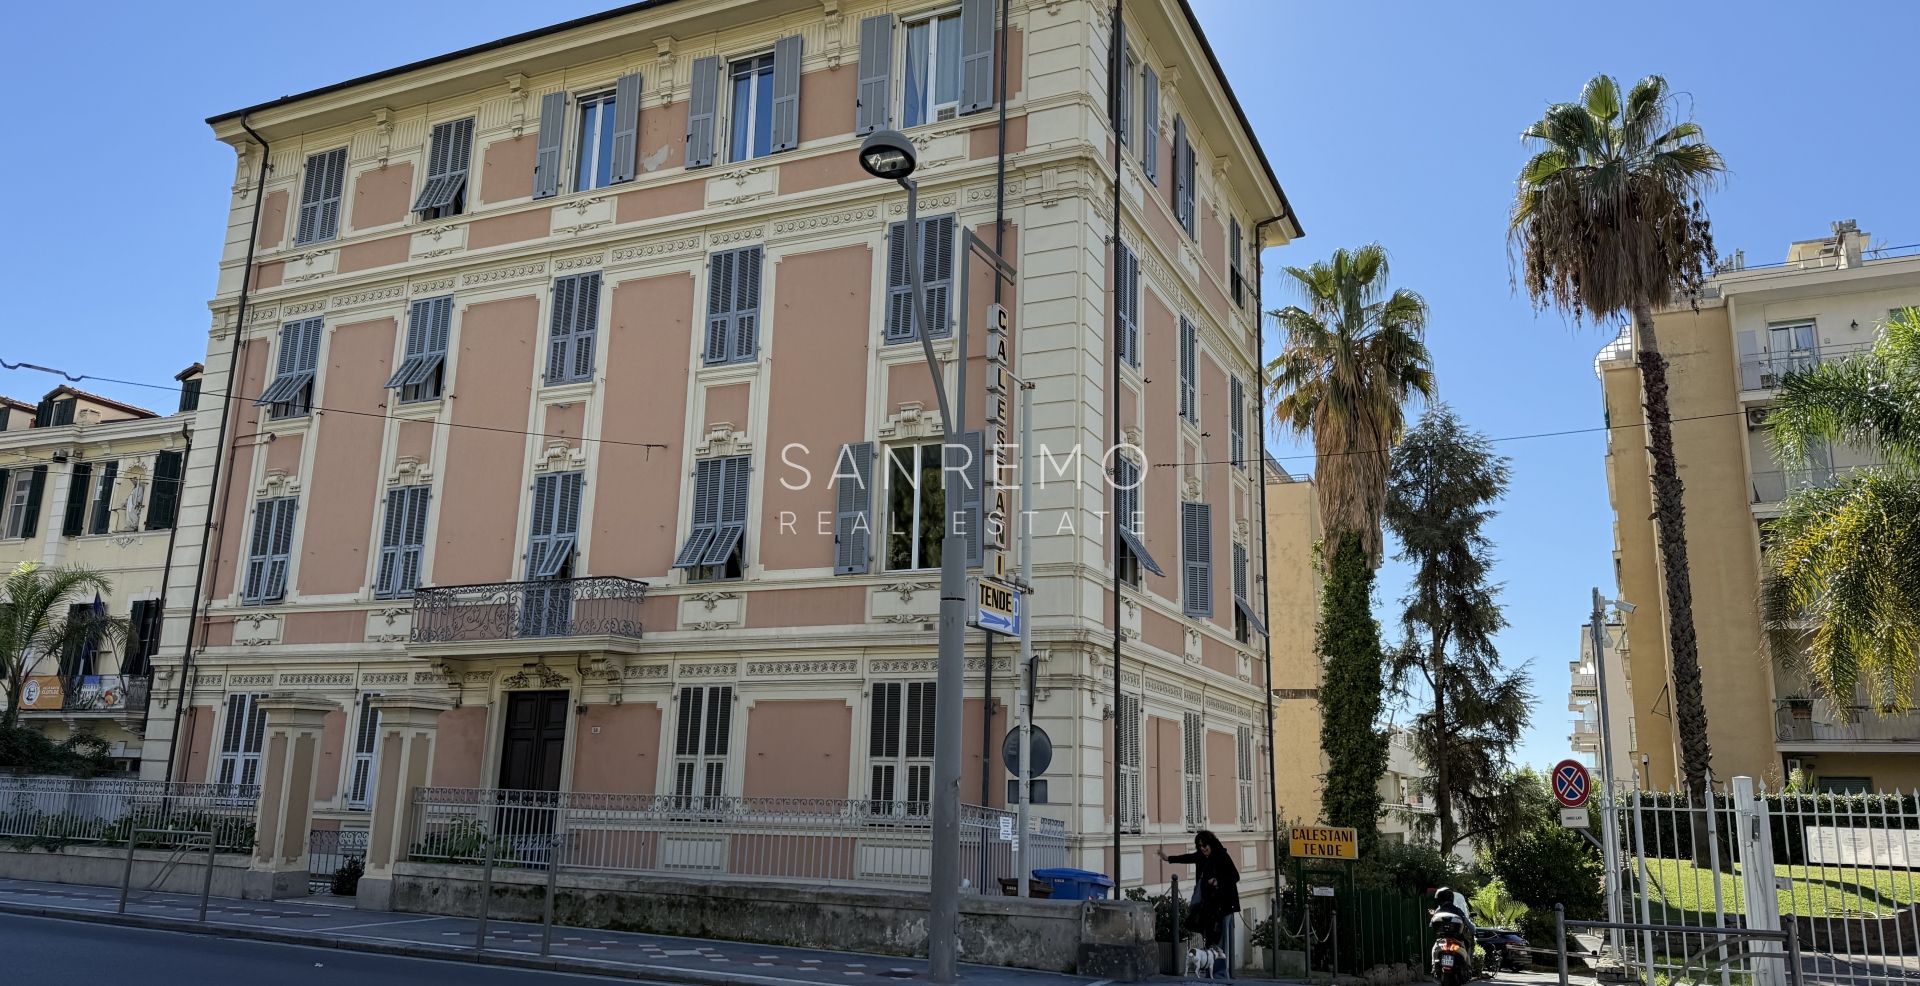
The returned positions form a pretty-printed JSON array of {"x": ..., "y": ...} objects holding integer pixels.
[
  {"x": 1767, "y": 371},
  {"x": 592, "y": 613},
  {"x": 90, "y": 696},
  {"x": 1806, "y": 726},
  {"x": 1771, "y": 487}
]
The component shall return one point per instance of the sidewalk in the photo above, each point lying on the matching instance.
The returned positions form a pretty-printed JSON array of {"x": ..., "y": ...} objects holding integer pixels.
[{"x": 331, "y": 923}]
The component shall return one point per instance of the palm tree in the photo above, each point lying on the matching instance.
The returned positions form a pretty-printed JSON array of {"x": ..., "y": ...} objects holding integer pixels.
[
  {"x": 1352, "y": 359},
  {"x": 1843, "y": 592},
  {"x": 34, "y": 623},
  {"x": 1609, "y": 220}
]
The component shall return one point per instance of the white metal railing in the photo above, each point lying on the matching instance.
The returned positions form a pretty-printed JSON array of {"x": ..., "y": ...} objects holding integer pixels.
[
  {"x": 1773, "y": 486},
  {"x": 1818, "y": 721},
  {"x": 54, "y": 811},
  {"x": 830, "y": 841}
]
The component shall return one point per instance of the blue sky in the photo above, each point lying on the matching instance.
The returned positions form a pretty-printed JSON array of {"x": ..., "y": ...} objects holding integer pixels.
[{"x": 1395, "y": 122}]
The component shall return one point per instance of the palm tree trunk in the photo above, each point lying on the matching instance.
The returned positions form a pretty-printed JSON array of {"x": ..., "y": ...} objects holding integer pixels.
[{"x": 1670, "y": 519}]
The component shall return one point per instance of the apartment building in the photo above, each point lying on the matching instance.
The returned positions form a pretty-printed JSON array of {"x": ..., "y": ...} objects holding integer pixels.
[
  {"x": 1756, "y": 322},
  {"x": 1583, "y": 700},
  {"x": 576, "y": 390},
  {"x": 90, "y": 482},
  {"x": 1294, "y": 578}
]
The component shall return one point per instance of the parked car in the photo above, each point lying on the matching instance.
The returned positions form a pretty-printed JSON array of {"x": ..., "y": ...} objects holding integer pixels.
[{"x": 1504, "y": 948}]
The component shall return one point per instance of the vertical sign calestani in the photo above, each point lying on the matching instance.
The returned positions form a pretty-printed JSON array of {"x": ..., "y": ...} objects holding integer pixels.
[{"x": 994, "y": 537}]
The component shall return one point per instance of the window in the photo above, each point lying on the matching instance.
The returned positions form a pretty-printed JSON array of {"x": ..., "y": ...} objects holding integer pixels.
[
  {"x": 715, "y": 548},
  {"x": 78, "y": 657},
  {"x": 1233, "y": 262},
  {"x": 1246, "y": 622},
  {"x": 574, "y": 321},
  {"x": 933, "y": 70},
  {"x": 190, "y": 395},
  {"x": 1183, "y": 176},
  {"x": 751, "y": 109},
  {"x": 422, "y": 372},
  {"x": 1127, "y": 288},
  {"x": 937, "y": 235},
  {"x": 1192, "y": 781},
  {"x": 54, "y": 412},
  {"x": 1189, "y": 367},
  {"x": 22, "y": 503},
  {"x": 1196, "y": 559},
  {"x": 553, "y": 533},
  {"x": 1128, "y": 522},
  {"x": 1843, "y": 785},
  {"x": 163, "y": 509},
  {"x": 900, "y": 749},
  {"x": 102, "y": 519},
  {"x": 916, "y": 507},
  {"x": 449, "y": 150},
  {"x": 325, "y": 177},
  {"x": 290, "y": 394},
  {"x": 270, "y": 551},
  {"x": 733, "y": 306},
  {"x": 402, "y": 540},
  {"x": 1243, "y": 774},
  {"x": 1150, "y": 124},
  {"x": 366, "y": 746},
  {"x": 593, "y": 152},
  {"x": 1126, "y": 733},
  {"x": 143, "y": 641},
  {"x": 246, "y": 726},
  {"x": 1237, "y": 423},
  {"x": 703, "y": 729}
]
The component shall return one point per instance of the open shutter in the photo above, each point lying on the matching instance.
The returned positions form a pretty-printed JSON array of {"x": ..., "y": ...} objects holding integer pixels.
[
  {"x": 546, "y": 153},
  {"x": 626, "y": 127},
  {"x": 786, "y": 93},
  {"x": 449, "y": 151},
  {"x": 540, "y": 523},
  {"x": 972, "y": 491},
  {"x": 75, "y": 522},
  {"x": 976, "y": 55},
  {"x": 1150, "y": 124},
  {"x": 103, "y": 502},
  {"x": 706, "y": 510},
  {"x": 565, "y": 527},
  {"x": 731, "y": 525},
  {"x": 163, "y": 505},
  {"x": 702, "y": 106},
  {"x": 36, "y": 489},
  {"x": 1126, "y": 508},
  {"x": 875, "y": 87},
  {"x": 1196, "y": 559},
  {"x": 852, "y": 525}
]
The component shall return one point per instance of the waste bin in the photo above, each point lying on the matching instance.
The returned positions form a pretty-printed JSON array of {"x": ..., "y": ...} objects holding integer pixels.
[{"x": 1071, "y": 884}]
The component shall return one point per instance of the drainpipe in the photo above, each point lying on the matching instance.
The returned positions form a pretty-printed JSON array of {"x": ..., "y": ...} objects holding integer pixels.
[
  {"x": 215, "y": 503},
  {"x": 1266, "y": 646},
  {"x": 1116, "y": 64},
  {"x": 999, "y": 245}
]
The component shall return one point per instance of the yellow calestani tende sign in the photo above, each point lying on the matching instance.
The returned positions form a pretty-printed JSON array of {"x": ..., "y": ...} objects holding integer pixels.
[{"x": 1324, "y": 842}]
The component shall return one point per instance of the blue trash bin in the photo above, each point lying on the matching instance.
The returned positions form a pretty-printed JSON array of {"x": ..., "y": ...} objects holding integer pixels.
[{"x": 1071, "y": 884}]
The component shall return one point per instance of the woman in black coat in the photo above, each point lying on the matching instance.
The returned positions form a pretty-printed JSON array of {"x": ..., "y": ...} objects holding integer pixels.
[{"x": 1216, "y": 884}]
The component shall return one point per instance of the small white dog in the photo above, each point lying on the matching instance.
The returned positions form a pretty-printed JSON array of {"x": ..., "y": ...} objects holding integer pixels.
[{"x": 1200, "y": 962}]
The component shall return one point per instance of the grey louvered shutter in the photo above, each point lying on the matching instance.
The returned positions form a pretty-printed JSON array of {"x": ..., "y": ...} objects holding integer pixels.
[
  {"x": 540, "y": 523},
  {"x": 1196, "y": 559},
  {"x": 320, "y": 191},
  {"x": 1239, "y": 571},
  {"x": 875, "y": 90},
  {"x": 449, "y": 153},
  {"x": 414, "y": 537},
  {"x": 976, "y": 55},
  {"x": 731, "y": 519},
  {"x": 1150, "y": 124},
  {"x": 387, "y": 578},
  {"x": 282, "y": 549},
  {"x": 1126, "y": 494},
  {"x": 786, "y": 93},
  {"x": 746, "y": 306},
  {"x": 256, "y": 578},
  {"x": 163, "y": 506},
  {"x": 721, "y": 269},
  {"x": 853, "y": 492},
  {"x": 899, "y": 287},
  {"x": 706, "y": 509},
  {"x": 1180, "y": 171},
  {"x": 967, "y": 454},
  {"x": 1123, "y": 119},
  {"x": 1233, "y": 260},
  {"x": 1189, "y": 358},
  {"x": 75, "y": 522},
  {"x": 626, "y": 127},
  {"x": 546, "y": 153},
  {"x": 1237, "y": 423},
  {"x": 586, "y": 323},
  {"x": 1117, "y": 82},
  {"x": 1127, "y": 286},
  {"x": 565, "y": 526},
  {"x": 936, "y": 248},
  {"x": 703, "y": 103}
]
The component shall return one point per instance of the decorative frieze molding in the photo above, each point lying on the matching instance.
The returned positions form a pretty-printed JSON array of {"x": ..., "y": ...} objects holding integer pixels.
[
  {"x": 645, "y": 673},
  {"x": 740, "y": 235},
  {"x": 712, "y": 600},
  {"x": 906, "y": 590},
  {"x": 293, "y": 308},
  {"x": 657, "y": 248},
  {"x": 317, "y": 679},
  {"x": 726, "y": 669},
  {"x": 498, "y": 274},
  {"x": 577, "y": 263},
  {"x": 434, "y": 286},
  {"x": 539, "y": 675},
  {"x": 431, "y": 678},
  {"x": 826, "y": 220},
  {"x": 251, "y": 680},
  {"x": 790, "y": 669},
  {"x": 384, "y": 678},
  {"x": 928, "y": 203},
  {"x": 369, "y": 296}
]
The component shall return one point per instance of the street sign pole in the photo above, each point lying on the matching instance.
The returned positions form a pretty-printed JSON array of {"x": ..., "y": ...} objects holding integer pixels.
[{"x": 1023, "y": 694}]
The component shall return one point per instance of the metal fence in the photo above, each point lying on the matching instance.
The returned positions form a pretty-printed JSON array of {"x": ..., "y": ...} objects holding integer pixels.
[
  {"x": 1842, "y": 870},
  {"x": 854, "y": 843},
  {"x": 55, "y": 811},
  {"x": 327, "y": 851}
]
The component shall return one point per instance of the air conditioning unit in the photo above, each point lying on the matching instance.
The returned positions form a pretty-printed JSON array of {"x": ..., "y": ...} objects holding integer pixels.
[{"x": 1757, "y": 418}]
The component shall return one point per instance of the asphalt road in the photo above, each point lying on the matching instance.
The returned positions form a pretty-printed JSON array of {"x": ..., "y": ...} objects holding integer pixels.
[{"x": 41, "y": 950}]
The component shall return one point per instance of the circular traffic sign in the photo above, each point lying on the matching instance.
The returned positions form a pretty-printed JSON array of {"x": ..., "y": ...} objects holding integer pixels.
[
  {"x": 1571, "y": 783},
  {"x": 1040, "y": 758}
]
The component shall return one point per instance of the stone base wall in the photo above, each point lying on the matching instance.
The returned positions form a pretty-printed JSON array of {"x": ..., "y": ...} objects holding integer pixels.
[{"x": 102, "y": 866}]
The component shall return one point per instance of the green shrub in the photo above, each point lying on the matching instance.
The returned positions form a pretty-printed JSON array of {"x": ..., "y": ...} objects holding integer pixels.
[
  {"x": 27, "y": 751},
  {"x": 1548, "y": 866},
  {"x": 346, "y": 879}
]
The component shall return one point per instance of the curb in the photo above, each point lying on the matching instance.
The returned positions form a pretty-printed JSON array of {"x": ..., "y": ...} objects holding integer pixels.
[{"x": 438, "y": 953}]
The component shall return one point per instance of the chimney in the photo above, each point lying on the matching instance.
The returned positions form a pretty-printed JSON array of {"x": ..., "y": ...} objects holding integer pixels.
[{"x": 1849, "y": 241}]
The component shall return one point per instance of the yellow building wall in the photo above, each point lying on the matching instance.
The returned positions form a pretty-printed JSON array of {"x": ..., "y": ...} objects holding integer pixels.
[{"x": 1293, "y": 610}]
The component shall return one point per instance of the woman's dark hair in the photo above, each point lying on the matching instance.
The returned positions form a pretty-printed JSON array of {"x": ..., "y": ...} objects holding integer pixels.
[{"x": 1205, "y": 837}]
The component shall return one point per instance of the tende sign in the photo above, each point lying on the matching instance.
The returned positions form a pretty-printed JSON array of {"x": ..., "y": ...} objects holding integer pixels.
[{"x": 1324, "y": 842}]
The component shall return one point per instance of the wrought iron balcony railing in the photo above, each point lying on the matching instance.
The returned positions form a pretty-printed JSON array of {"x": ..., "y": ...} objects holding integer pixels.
[
  {"x": 122, "y": 695},
  {"x": 596, "y": 606}
]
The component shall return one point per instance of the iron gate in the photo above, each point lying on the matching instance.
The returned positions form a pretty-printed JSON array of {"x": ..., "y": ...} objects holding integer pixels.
[{"x": 327, "y": 851}]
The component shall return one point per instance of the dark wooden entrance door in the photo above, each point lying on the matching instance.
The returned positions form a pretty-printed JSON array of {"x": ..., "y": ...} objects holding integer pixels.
[{"x": 533, "y": 741}]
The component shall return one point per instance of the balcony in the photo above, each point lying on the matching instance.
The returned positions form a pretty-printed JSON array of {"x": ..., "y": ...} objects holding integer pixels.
[
  {"x": 593, "y": 613},
  {"x": 91, "y": 696},
  {"x": 1808, "y": 726},
  {"x": 1772, "y": 487},
  {"x": 1767, "y": 371}
]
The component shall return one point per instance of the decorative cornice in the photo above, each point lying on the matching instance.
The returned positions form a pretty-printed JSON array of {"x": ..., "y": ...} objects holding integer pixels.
[
  {"x": 826, "y": 220},
  {"x": 584, "y": 260},
  {"x": 316, "y": 679},
  {"x": 726, "y": 669},
  {"x": 740, "y": 235},
  {"x": 385, "y": 292},
  {"x": 656, "y": 248},
  {"x": 784, "y": 669},
  {"x": 497, "y": 274}
]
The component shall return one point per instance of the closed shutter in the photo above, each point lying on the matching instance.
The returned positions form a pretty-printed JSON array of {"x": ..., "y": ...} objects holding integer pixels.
[
  {"x": 1233, "y": 261},
  {"x": 936, "y": 246},
  {"x": 546, "y": 154},
  {"x": 852, "y": 525},
  {"x": 976, "y": 55},
  {"x": 702, "y": 107},
  {"x": 1179, "y": 189},
  {"x": 899, "y": 289},
  {"x": 1189, "y": 358},
  {"x": 75, "y": 522},
  {"x": 1193, "y": 738},
  {"x": 733, "y": 306},
  {"x": 1150, "y": 124},
  {"x": 366, "y": 746},
  {"x": 280, "y": 558},
  {"x": 449, "y": 154},
  {"x": 1189, "y": 186},
  {"x": 966, "y": 455},
  {"x": 1237, "y": 423},
  {"x": 321, "y": 186},
  {"x": 387, "y": 578},
  {"x": 1127, "y": 289},
  {"x": 256, "y": 581},
  {"x": 875, "y": 88},
  {"x": 1196, "y": 559},
  {"x": 240, "y": 740},
  {"x": 571, "y": 328},
  {"x": 786, "y": 93},
  {"x": 163, "y": 506},
  {"x": 900, "y": 749},
  {"x": 1117, "y": 88},
  {"x": 626, "y": 127},
  {"x": 414, "y": 538},
  {"x": 103, "y": 500},
  {"x": 143, "y": 626},
  {"x": 586, "y": 321},
  {"x": 1132, "y": 818},
  {"x": 703, "y": 732},
  {"x": 36, "y": 489},
  {"x": 270, "y": 550},
  {"x": 1243, "y": 773},
  {"x": 402, "y": 539}
]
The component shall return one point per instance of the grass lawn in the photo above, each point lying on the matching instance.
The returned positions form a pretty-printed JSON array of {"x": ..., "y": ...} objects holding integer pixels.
[{"x": 1683, "y": 893}]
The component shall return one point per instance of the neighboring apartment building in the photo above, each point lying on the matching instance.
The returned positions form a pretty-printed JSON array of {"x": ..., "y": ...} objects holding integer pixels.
[
  {"x": 1754, "y": 324},
  {"x": 1583, "y": 699},
  {"x": 90, "y": 482},
  {"x": 1293, "y": 597},
  {"x": 1406, "y": 799},
  {"x": 552, "y": 345}
]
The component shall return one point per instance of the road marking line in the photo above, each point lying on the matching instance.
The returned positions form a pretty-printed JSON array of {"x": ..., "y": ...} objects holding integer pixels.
[{"x": 380, "y": 924}]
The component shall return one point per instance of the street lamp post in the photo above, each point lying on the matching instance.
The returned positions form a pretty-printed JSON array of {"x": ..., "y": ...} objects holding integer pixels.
[
  {"x": 887, "y": 154},
  {"x": 1608, "y": 821}
]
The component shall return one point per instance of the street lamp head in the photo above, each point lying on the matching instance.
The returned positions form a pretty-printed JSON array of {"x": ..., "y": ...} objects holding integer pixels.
[{"x": 888, "y": 154}]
